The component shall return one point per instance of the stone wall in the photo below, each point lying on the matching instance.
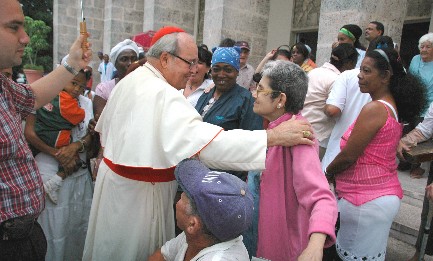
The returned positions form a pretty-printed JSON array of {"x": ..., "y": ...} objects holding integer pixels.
[
  {"x": 334, "y": 14},
  {"x": 169, "y": 12},
  {"x": 241, "y": 20},
  {"x": 306, "y": 14},
  {"x": 66, "y": 21},
  {"x": 110, "y": 21}
]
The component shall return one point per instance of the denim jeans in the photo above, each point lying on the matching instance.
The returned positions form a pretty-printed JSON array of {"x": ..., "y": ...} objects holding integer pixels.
[{"x": 250, "y": 235}]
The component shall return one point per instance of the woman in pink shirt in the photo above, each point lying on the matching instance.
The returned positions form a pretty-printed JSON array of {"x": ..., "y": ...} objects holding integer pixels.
[
  {"x": 365, "y": 170},
  {"x": 297, "y": 211}
]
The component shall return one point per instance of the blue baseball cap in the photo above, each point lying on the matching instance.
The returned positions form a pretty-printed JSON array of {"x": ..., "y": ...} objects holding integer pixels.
[{"x": 223, "y": 201}]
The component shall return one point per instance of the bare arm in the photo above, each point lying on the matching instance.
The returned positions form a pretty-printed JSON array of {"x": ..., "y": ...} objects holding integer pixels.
[
  {"x": 33, "y": 138},
  {"x": 314, "y": 249},
  {"x": 371, "y": 118},
  {"x": 408, "y": 141},
  {"x": 332, "y": 111},
  {"x": 265, "y": 59},
  {"x": 98, "y": 106},
  {"x": 48, "y": 87},
  {"x": 157, "y": 256}
]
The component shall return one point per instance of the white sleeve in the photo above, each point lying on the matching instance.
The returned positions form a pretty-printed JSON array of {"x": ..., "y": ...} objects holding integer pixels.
[
  {"x": 236, "y": 150},
  {"x": 171, "y": 248},
  {"x": 337, "y": 96},
  {"x": 426, "y": 126}
]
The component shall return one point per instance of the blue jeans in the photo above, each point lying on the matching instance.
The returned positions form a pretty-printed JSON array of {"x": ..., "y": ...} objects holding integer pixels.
[{"x": 250, "y": 235}]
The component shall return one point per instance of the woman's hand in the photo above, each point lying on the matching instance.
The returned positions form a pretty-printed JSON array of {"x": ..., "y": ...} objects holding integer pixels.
[
  {"x": 314, "y": 250},
  {"x": 402, "y": 147},
  {"x": 91, "y": 126},
  {"x": 66, "y": 155},
  {"x": 290, "y": 133}
]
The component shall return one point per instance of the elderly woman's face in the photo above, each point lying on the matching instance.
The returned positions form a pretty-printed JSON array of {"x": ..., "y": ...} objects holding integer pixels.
[
  {"x": 264, "y": 104},
  {"x": 224, "y": 76},
  {"x": 297, "y": 56},
  {"x": 426, "y": 51}
]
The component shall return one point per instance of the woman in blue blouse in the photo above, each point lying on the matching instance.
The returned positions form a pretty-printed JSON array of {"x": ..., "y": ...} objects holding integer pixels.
[{"x": 228, "y": 105}]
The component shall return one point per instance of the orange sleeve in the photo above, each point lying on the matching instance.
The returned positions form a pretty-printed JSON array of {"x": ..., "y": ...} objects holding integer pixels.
[{"x": 69, "y": 108}]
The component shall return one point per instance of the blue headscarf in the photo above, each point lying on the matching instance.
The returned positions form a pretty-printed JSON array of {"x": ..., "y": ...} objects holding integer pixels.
[{"x": 228, "y": 55}]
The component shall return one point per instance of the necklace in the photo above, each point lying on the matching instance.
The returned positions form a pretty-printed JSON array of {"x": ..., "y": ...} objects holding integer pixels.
[{"x": 208, "y": 106}]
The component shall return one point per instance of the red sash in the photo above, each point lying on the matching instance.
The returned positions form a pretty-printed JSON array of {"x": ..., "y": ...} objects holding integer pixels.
[{"x": 142, "y": 173}]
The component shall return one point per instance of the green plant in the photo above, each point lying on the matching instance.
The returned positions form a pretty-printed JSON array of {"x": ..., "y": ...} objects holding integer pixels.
[{"x": 38, "y": 32}]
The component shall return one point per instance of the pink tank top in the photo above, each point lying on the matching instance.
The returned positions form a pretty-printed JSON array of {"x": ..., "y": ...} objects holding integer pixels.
[{"x": 374, "y": 174}]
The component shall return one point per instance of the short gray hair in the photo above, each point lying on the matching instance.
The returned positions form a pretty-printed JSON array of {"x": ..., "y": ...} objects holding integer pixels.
[
  {"x": 167, "y": 43},
  {"x": 425, "y": 38},
  {"x": 288, "y": 78}
]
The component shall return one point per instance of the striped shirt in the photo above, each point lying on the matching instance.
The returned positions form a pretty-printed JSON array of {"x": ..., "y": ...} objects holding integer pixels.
[
  {"x": 374, "y": 174},
  {"x": 21, "y": 188}
]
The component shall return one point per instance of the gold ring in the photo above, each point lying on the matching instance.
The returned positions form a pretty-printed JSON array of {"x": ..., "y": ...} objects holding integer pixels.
[{"x": 306, "y": 134}]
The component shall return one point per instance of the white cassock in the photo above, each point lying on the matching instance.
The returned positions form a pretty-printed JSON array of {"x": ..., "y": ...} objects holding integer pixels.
[{"x": 149, "y": 124}]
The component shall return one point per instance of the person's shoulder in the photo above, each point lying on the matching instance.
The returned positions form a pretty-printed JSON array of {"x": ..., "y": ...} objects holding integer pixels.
[
  {"x": 242, "y": 91},
  {"x": 232, "y": 250},
  {"x": 350, "y": 73},
  {"x": 374, "y": 109}
]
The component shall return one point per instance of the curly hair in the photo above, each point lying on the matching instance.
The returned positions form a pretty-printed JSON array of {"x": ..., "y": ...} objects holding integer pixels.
[
  {"x": 343, "y": 54},
  {"x": 290, "y": 79},
  {"x": 408, "y": 91}
]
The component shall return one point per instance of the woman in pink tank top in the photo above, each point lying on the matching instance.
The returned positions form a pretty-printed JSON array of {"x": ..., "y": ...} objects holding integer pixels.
[{"x": 365, "y": 171}]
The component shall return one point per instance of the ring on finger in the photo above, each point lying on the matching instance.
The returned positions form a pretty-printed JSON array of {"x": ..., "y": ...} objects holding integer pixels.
[{"x": 306, "y": 134}]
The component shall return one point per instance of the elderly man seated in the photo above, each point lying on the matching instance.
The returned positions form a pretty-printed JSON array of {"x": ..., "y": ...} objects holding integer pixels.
[{"x": 214, "y": 209}]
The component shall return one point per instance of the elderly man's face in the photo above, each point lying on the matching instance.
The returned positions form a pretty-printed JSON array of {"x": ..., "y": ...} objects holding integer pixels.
[
  {"x": 183, "y": 211},
  {"x": 12, "y": 34},
  {"x": 178, "y": 70}
]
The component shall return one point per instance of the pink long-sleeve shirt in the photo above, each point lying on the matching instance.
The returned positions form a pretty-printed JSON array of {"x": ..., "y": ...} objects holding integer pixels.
[{"x": 295, "y": 201}]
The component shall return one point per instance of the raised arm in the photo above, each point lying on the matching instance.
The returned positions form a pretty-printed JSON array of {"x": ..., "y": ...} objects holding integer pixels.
[
  {"x": 48, "y": 87},
  {"x": 265, "y": 59}
]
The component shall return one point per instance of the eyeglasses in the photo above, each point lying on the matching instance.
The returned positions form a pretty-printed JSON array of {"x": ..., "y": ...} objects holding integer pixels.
[
  {"x": 265, "y": 92},
  {"x": 227, "y": 69},
  {"x": 190, "y": 63}
]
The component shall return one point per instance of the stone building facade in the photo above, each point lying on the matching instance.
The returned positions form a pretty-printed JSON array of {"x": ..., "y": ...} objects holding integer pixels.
[{"x": 266, "y": 24}]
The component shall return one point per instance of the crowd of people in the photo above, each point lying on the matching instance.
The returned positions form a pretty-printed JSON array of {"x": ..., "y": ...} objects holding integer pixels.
[{"x": 194, "y": 154}]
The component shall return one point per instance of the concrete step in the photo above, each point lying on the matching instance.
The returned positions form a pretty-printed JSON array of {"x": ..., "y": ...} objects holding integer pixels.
[{"x": 406, "y": 224}]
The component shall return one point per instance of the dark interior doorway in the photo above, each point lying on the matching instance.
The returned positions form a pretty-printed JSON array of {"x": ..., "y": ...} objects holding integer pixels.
[
  {"x": 309, "y": 38},
  {"x": 409, "y": 40}
]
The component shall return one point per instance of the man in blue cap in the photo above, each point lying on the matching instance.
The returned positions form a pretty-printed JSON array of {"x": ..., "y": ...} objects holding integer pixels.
[{"x": 213, "y": 211}]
